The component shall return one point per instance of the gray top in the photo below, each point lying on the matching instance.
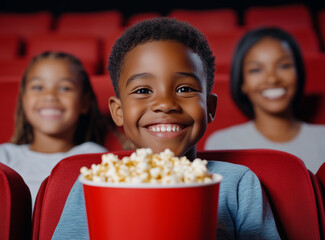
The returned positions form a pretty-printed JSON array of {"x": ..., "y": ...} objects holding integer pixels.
[
  {"x": 34, "y": 167},
  {"x": 243, "y": 210},
  {"x": 309, "y": 145}
]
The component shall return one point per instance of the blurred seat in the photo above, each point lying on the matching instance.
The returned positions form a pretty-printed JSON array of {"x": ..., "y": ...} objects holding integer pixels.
[
  {"x": 25, "y": 25},
  {"x": 295, "y": 16},
  {"x": 103, "y": 89},
  {"x": 285, "y": 180},
  {"x": 8, "y": 98},
  {"x": 84, "y": 47},
  {"x": 12, "y": 67},
  {"x": 227, "y": 114},
  {"x": 321, "y": 24},
  {"x": 97, "y": 24},
  {"x": 315, "y": 75},
  {"x": 287, "y": 184},
  {"x": 312, "y": 108},
  {"x": 9, "y": 47},
  {"x": 15, "y": 205},
  {"x": 209, "y": 20},
  {"x": 137, "y": 17},
  {"x": 307, "y": 40},
  {"x": 223, "y": 44}
]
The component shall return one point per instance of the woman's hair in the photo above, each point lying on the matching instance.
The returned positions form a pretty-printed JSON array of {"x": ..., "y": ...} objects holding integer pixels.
[
  {"x": 91, "y": 126},
  {"x": 161, "y": 29},
  {"x": 244, "y": 45}
]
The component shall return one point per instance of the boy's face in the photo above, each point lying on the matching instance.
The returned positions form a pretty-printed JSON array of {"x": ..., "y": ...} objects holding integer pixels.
[{"x": 163, "y": 98}]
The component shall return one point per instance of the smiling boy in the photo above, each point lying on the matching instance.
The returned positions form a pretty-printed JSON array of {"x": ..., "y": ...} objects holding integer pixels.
[{"x": 162, "y": 72}]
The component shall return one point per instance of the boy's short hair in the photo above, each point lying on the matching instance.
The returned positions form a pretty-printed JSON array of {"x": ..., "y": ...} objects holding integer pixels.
[
  {"x": 157, "y": 29},
  {"x": 244, "y": 45}
]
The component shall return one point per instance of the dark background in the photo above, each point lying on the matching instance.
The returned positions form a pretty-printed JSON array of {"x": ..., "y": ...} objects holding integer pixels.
[{"x": 129, "y": 7}]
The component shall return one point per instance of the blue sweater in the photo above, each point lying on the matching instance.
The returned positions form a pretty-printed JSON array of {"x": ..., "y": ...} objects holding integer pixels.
[{"x": 243, "y": 211}]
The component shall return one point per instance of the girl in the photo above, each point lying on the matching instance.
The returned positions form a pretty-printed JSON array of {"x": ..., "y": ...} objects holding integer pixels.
[
  {"x": 57, "y": 116},
  {"x": 267, "y": 82}
]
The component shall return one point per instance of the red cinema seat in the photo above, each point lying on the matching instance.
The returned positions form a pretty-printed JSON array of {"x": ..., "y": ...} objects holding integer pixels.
[
  {"x": 284, "y": 177},
  {"x": 223, "y": 44},
  {"x": 135, "y": 18},
  {"x": 315, "y": 75},
  {"x": 84, "y": 47},
  {"x": 13, "y": 67},
  {"x": 321, "y": 24},
  {"x": 321, "y": 175},
  {"x": 15, "y": 205},
  {"x": 97, "y": 24},
  {"x": 288, "y": 186},
  {"x": 209, "y": 20},
  {"x": 25, "y": 25},
  {"x": 9, "y": 47},
  {"x": 227, "y": 114},
  {"x": 8, "y": 98},
  {"x": 296, "y": 16},
  {"x": 307, "y": 40},
  {"x": 103, "y": 89}
]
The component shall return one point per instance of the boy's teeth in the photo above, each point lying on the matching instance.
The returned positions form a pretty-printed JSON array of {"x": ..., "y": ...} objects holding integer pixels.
[
  {"x": 165, "y": 128},
  {"x": 273, "y": 93}
]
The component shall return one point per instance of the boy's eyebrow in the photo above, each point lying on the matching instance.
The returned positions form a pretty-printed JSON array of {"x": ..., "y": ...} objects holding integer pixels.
[
  {"x": 190, "y": 74},
  {"x": 139, "y": 75}
]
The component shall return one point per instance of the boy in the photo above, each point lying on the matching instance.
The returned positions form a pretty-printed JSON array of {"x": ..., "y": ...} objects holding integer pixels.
[{"x": 162, "y": 72}]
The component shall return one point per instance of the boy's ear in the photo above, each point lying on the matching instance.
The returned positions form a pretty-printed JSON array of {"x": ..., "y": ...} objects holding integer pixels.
[
  {"x": 115, "y": 108},
  {"x": 212, "y": 100}
]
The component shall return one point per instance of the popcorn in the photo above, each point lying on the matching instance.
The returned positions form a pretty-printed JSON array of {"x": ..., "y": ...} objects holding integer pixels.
[{"x": 143, "y": 166}]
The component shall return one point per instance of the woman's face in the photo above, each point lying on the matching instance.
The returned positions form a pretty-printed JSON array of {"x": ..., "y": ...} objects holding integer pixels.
[{"x": 270, "y": 77}]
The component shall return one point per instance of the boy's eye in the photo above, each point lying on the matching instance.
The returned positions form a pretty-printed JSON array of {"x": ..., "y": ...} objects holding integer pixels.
[
  {"x": 143, "y": 91},
  {"x": 185, "y": 89}
]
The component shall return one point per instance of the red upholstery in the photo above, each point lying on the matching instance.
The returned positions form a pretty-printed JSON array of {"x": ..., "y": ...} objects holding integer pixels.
[
  {"x": 223, "y": 44},
  {"x": 321, "y": 24},
  {"x": 286, "y": 16},
  {"x": 135, "y": 18},
  {"x": 227, "y": 113},
  {"x": 15, "y": 205},
  {"x": 103, "y": 89},
  {"x": 13, "y": 67},
  {"x": 8, "y": 99},
  {"x": 25, "y": 24},
  {"x": 98, "y": 24},
  {"x": 287, "y": 184},
  {"x": 85, "y": 47},
  {"x": 52, "y": 195},
  {"x": 307, "y": 40},
  {"x": 320, "y": 201},
  {"x": 284, "y": 177},
  {"x": 208, "y": 20},
  {"x": 9, "y": 47},
  {"x": 321, "y": 174},
  {"x": 315, "y": 75}
]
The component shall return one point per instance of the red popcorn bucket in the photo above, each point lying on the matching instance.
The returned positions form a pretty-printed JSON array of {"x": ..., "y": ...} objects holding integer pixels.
[{"x": 119, "y": 211}]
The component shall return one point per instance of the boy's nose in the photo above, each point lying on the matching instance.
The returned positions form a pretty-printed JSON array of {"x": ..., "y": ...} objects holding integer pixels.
[{"x": 165, "y": 103}]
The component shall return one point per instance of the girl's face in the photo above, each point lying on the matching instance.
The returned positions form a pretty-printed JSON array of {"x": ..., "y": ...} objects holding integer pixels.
[
  {"x": 270, "y": 77},
  {"x": 52, "y": 100}
]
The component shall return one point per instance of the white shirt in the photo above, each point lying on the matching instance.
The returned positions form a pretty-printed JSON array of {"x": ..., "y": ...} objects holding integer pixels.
[
  {"x": 308, "y": 145},
  {"x": 34, "y": 167}
]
